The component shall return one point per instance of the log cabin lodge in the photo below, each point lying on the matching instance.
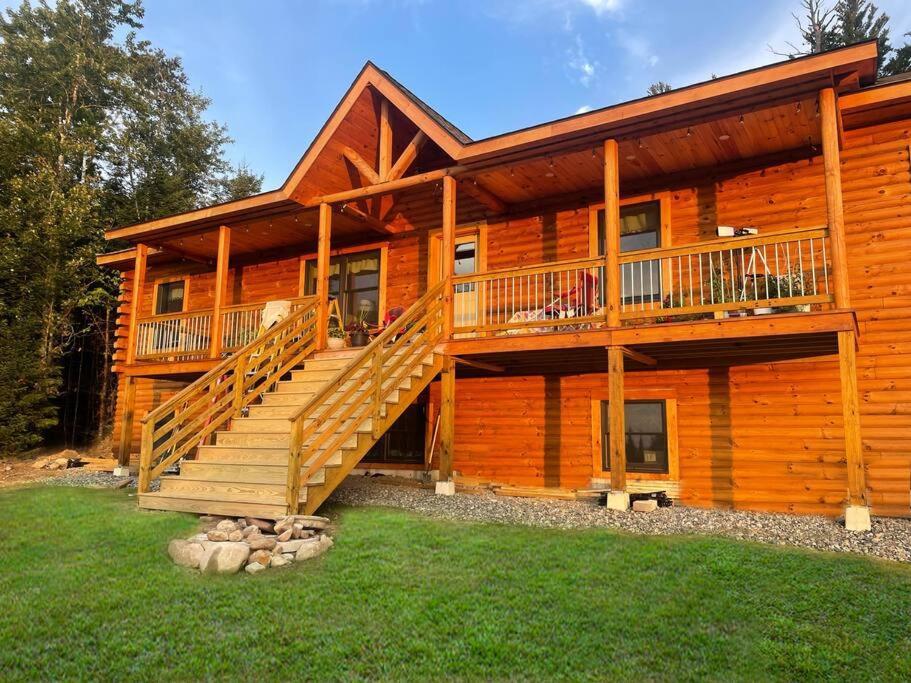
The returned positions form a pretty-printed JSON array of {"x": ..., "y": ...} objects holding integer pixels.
[{"x": 705, "y": 292}]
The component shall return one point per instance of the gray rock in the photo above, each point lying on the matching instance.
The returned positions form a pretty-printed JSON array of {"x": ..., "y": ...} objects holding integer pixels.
[
  {"x": 226, "y": 525},
  {"x": 224, "y": 558},
  {"x": 236, "y": 535},
  {"x": 280, "y": 561},
  {"x": 217, "y": 535},
  {"x": 198, "y": 538},
  {"x": 263, "y": 557},
  {"x": 292, "y": 546},
  {"x": 185, "y": 553},
  {"x": 311, "y": 548},
  {"x": 285, "y": 535},
  {"x": 288, "y": 556},
  {"x": 254, "y": 568},
  {"x": 250, "y": 530},
  {"x": 261, "y": 542},
  {"x": 283, "y": 524},
  {"x": 261, "y": 524},
  {"x": 311, "y": 521}
]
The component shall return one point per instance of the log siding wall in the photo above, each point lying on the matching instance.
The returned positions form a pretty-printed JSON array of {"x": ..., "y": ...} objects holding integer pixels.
[{"x": 765, "y": 436}]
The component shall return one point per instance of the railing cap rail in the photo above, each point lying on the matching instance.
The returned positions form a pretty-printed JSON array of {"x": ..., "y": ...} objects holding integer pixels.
[{"x": 705, "y": 246}]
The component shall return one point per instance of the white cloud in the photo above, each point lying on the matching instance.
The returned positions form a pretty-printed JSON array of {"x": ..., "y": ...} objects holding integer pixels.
[
  {"x": 578, "y": 62},
  {"x": 637, "y": 47},
  {"x": 584, "y": 109},
  {"x": 602, "y": 6}
]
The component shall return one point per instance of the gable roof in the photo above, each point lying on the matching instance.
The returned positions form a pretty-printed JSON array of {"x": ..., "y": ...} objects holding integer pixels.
[{"x": 826, "y": 68}]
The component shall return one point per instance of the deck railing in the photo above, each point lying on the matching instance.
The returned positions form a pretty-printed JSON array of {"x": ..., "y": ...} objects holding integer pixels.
[
  {"x": 786, "y": 269},
  {"x": 188, "y": 335},
  {"x": 540, "y": 298}
]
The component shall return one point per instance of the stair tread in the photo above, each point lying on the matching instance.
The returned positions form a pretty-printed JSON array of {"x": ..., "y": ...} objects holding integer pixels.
[{"x": 218, "y": 496}]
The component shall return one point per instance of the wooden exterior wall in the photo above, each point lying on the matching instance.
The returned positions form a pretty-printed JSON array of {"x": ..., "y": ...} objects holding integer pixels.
[{"x": 766, "y": 436}]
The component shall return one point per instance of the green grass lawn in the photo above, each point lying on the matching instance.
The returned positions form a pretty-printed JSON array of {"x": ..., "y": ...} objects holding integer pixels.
[{"x": 87, "y": 591}]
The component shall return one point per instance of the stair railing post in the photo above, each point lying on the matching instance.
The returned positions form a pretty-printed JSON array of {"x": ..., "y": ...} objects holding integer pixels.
[
  {"x": 294, "y": 467},
  {"x": 145, "y": 455},
  {"x": 377, "y": 390},
  {"x": 240, "y": 376}
]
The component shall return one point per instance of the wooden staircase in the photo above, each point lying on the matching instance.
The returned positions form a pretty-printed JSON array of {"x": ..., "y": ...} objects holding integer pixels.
[{"x": 294, "y": 433}]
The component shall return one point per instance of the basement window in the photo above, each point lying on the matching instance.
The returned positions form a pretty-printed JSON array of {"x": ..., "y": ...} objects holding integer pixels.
[{"x": 646, "y": 436}]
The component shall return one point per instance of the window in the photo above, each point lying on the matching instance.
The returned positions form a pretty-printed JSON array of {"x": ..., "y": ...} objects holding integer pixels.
[
  {"x": 465, "y": 264},
  {"x": 355, "y": 280},
  {"x": 640, "y": 228},
  {"x": 646, "y": 436},
  {"x": 403, "y": 442},
  {"x": 170, "y": 297}
]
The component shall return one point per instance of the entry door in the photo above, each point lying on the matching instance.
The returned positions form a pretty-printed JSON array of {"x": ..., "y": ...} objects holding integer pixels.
[{"x": 468, "y": 260}]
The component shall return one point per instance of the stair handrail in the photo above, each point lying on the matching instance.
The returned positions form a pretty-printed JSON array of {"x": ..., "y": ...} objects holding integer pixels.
[
  {"x": 422, "y": 326},
  {"x": 206, "y": 404}
]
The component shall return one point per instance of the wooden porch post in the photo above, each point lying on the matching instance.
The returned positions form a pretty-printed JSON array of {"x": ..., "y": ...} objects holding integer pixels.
[
  {"x": 447, "y": 426},
  {"x": 612, "y": 232},
  {"x": 447, "y": 254},
  {"x": 322, "y": 275},
  {"x": 126, "y": 421},
  {"x": 857, "y": 514},
  {"x": 835, "y": 218},
  {"x": 139, "y": 279},
  {"x": 221, "y": 289},
  {"x": 618, "y": 498}
]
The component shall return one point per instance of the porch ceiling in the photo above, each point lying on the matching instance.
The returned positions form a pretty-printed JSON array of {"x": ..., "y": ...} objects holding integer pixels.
[
  {"x": 753, "y": 132},
  {"x": 295, "y": 231}
]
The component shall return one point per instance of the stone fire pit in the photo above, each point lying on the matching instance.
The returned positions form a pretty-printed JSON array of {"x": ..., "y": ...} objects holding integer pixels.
[{"x": 229, "y": 545}]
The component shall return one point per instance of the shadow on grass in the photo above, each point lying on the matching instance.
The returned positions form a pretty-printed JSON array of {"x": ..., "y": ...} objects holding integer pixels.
[{"x": 88, "y": 591}]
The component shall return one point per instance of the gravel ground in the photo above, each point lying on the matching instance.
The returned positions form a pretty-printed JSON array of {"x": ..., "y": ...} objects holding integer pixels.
[
  {"x": 889, "y": 539},
  {"x": 78, "y": 476}
]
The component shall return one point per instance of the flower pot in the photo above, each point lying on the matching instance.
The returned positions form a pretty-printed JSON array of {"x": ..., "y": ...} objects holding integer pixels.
[
  {"x": 336, "y": 343},
  {"x": 359, "y": 339}
]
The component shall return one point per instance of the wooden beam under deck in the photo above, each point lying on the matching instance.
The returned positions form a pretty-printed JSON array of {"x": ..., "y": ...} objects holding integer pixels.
[{"x": 666, "y": 333}]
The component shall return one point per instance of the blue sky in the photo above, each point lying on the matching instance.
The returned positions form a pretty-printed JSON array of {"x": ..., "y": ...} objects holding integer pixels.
[{"x": 275, "y": 69}]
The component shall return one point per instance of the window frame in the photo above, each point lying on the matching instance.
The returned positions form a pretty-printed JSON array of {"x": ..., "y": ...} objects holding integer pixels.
[
  {"x": 382, "y": 247},
  {"x": 669, "y": 397},
  {"x": 664, "y": 200},
  {"x": 156, "y": 286}
]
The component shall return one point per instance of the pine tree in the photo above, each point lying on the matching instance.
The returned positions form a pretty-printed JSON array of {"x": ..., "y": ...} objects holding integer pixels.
[
  {"x": 97, "y": 128},
  {"x": 658, "y": 87},
  {"x": 846, "y": 23}
]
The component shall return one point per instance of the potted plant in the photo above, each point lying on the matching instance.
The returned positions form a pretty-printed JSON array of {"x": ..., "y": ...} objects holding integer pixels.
[
  {"x": 359, "y": 330},
  {"x": 337, "y": 338}
]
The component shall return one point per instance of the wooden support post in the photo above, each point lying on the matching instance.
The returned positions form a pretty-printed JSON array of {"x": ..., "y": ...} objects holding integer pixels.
[
  {"x": 385, "y": 155},
  {"x": 145, "y": 456},
  {"x": 126, "y": 420},
  {"x": 293, "y": 478},
  {"x": 221, "y": 289},
  {"x": 618, "y": 498},
  {"x": 612, "y": 232},
  {"x": 835, "y": 218},
  {"x": 139, "y": 279},
  {"x": 847, "y": 366},
  {"x": 322, "y": 275},
  {"x": 447, "y": 256},
  {"x": 447, "y": 417}
]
